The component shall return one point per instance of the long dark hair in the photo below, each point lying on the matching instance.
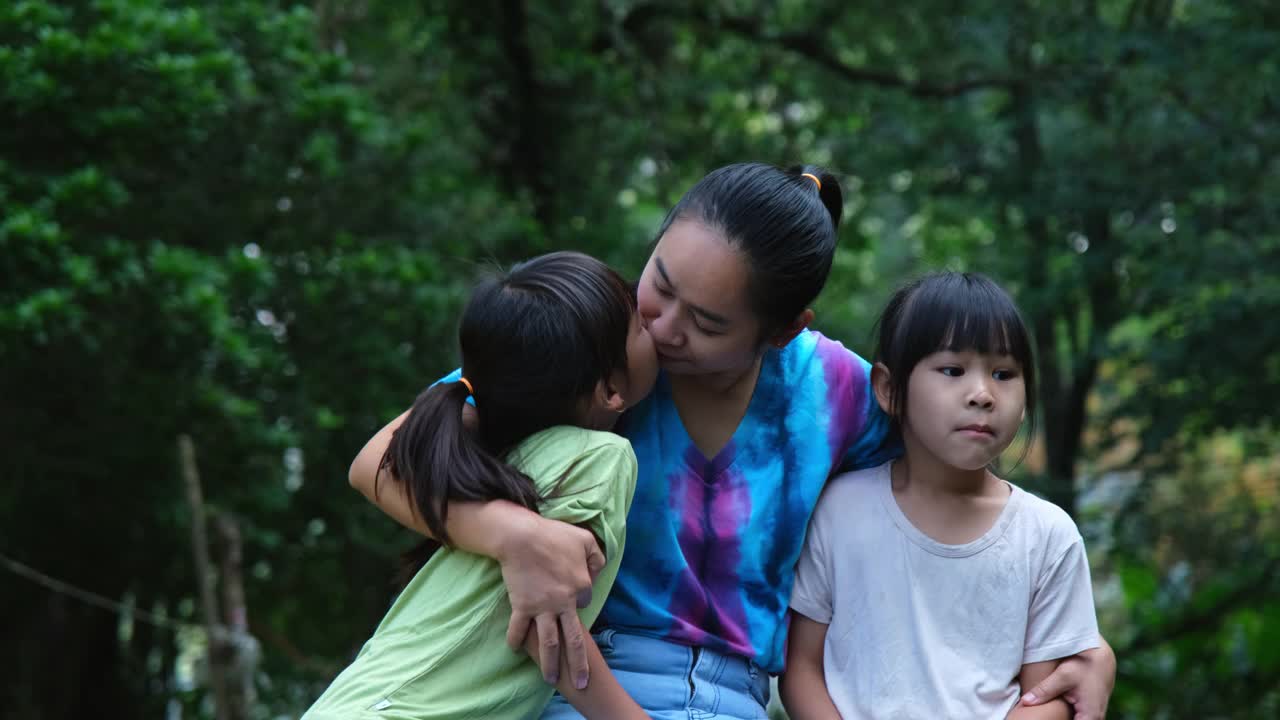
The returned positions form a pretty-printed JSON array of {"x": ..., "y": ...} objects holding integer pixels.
[
  {"x": 783, "y": 220},
  {"x": 951, "y": 311},
  {"x": 535, "y": 342}
]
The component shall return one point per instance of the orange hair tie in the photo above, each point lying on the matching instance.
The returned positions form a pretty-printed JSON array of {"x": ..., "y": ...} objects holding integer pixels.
[
  {"x": 464, "y": 381},
  {"x": 814, "y": 178}
]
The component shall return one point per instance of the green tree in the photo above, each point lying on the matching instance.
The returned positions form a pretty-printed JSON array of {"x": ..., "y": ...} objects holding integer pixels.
[
  {"x": 208, "y": 226},
  {"x": 253, "y": 222}
]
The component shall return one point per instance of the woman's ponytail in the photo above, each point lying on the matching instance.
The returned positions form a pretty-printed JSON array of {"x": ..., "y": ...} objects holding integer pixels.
[{"x": 829, "y": 192}]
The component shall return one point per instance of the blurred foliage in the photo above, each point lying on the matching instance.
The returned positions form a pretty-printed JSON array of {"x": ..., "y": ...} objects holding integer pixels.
[{"x": 254, "y": 222}]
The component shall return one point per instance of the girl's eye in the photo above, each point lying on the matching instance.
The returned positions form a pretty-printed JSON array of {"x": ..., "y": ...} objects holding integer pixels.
[
  {"x": 1004, "y": 374},
  {"x": 951, "y": 371}
]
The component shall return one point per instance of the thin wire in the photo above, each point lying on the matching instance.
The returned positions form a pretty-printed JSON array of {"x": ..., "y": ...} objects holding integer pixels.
[{"x": 91, "y": 598}]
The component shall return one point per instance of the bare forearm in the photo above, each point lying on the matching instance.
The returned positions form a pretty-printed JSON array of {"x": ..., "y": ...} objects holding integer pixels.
[
  {"x": 603, "y": 697},
  {"x": 804, "y": 694},
  {"x": 1055, "y": 710}
]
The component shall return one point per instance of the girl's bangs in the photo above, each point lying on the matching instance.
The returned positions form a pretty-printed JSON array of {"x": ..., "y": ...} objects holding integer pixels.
[{"x": 982, "y": 322}]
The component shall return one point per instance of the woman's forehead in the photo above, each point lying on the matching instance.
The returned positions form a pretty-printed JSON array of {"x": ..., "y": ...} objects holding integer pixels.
[{"x": 702, "y": 268}]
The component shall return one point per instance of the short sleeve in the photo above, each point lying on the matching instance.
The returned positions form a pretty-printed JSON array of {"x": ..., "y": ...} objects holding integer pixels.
[
  {"x": 1062, "y": 621},
  {"x": 878, "y": 443},
  {"x": 811, "y": 595},
  {"x": 595, "y": 493},
  {"x": 871, "y": 440}
]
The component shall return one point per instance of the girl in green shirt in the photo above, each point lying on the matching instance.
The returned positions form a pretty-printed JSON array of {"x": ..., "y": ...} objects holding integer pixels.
[{"x": 552, "y": 353}]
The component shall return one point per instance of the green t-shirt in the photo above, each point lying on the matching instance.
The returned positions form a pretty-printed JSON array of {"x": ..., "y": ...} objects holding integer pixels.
[{"x": 441, "y": 650}]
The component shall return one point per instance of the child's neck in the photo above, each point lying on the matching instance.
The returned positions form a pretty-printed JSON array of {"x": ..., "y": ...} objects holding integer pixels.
[
  {"x": 923, "y": 474},
  {"x": 954, "y": 506}
]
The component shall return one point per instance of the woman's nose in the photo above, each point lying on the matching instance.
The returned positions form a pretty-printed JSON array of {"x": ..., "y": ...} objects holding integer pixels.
[{"x": 663, "y": 330}]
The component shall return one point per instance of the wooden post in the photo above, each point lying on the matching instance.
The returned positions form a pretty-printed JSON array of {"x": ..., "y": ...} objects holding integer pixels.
[
  {"x": 242, "y": 665},
  {"x": 204, "y": 577}
]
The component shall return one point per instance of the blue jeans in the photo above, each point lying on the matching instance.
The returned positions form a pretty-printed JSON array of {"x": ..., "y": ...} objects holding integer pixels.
[{"x": 677, "y": 682}]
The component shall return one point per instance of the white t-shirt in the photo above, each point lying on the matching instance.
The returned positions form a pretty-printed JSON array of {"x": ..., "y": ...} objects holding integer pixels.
[{"x": 919, "y": 629}]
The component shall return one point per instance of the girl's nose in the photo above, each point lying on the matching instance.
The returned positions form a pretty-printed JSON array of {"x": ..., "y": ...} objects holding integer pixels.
[{"x": 982, "y": 397}]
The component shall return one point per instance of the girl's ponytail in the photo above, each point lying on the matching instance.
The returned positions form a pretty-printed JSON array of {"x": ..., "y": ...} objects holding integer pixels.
[
  {"x": 535, "y": 343},
  {"x": 438, "y": 461}
]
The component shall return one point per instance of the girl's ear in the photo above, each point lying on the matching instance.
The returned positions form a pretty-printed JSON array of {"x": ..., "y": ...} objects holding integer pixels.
[
  {"x": 792, "y": 329},
  {"x": 610, "y": 395},
  {"x": 881, "y": 386},
  {"x": 603, "y": 406}
]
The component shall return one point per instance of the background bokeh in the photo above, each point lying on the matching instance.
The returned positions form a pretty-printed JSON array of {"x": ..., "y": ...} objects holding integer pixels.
[{"x": 252, "y": 223}]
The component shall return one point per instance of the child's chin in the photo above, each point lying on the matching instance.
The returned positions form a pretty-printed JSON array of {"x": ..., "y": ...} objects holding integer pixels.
[{"x": 973, "y": 463}]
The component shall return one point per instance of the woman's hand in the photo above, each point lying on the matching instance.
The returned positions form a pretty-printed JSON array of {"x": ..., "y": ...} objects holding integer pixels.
[
  {"x": 548, "y": 567},
  {"x": 1085, "y": 681}
]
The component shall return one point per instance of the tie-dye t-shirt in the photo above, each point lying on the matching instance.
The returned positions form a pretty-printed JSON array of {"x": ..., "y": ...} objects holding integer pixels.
[{"x": 712, "y": 543}]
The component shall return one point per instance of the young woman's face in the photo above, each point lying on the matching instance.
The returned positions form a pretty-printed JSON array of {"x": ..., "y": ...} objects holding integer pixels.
[
  {"x": 693, "y": 300},
  {"x": 965, "y": 407}
]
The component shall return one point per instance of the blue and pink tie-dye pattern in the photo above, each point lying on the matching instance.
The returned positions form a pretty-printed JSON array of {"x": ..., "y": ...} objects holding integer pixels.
[{"x": 712, "y": 543}]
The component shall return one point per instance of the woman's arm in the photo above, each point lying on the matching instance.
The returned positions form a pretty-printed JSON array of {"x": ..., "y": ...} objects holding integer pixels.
[
  {"x": 548, "y": 566},
  {"x": 1033, "y": 673},
  {"x": 1085, "y": 681},
  {"x": 804, "y": 686}
]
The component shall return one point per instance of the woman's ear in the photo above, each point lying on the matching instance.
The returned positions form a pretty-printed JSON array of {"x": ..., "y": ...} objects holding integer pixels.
[
  {"x": 792, "y": 329},
  {"x": 881, "y": 386}
]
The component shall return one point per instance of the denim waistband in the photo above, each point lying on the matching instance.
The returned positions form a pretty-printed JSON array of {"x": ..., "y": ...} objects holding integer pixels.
[{"x": 679, "y": 682}]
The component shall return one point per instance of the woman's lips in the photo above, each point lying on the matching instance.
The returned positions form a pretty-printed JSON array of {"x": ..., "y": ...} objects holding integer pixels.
[{"x": 667, "y": 355}]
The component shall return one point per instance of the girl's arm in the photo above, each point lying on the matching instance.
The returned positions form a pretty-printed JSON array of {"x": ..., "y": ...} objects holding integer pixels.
[
  {"x": 546, "y": 565},
  {"x": 803, "y": 686},
  {"x": 1085, "y": 681},
  {"x": 1057, "y": 709},
  {"x": 604, "y": 699}
]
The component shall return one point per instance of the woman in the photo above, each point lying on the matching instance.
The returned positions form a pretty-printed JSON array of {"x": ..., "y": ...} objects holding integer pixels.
[{"x": 750, "y": 416}]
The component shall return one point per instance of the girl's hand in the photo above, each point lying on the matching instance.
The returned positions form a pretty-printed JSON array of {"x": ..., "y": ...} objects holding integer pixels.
[
  {"x": 1085, "y": 681},
  {"x": 548, "y": 567}
]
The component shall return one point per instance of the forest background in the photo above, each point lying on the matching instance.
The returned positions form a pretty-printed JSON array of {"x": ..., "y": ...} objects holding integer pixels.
[{"x": 244, "y": 229}]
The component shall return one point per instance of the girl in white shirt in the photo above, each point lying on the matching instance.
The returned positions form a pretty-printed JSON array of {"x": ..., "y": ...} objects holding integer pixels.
[{"x": 928, "y": 586}]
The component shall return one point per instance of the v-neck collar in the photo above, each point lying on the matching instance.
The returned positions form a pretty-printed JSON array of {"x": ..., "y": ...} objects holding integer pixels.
[{"x": 711, "y": 467}]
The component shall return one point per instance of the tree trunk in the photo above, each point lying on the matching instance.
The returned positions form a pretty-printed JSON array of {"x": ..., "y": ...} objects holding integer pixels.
[
  {"x": 218, "y": 654},
  {"x": 242, "y": 696},
  {"x": 529, "y": 146}
]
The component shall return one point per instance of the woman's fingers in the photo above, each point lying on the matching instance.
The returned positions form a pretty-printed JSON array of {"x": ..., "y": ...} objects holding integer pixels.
[
  {"x": 1079, "y": 682},
  {"x": 549, "y": 647},
  {"x": 575, "y": 649},
  {"x": 548, "y": 576},
  {"x": 1061, "y": 680},
  {"x": 518, "y": 629}
]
